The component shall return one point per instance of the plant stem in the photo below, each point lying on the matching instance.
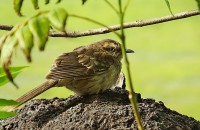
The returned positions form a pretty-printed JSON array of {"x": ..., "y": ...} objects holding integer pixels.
[
  {"x": 132, "y": 95},
  {"x": 116, "y": 11}
]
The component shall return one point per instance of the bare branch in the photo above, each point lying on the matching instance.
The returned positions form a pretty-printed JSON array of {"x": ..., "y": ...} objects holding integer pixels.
[{"x": 139, "y": 23}]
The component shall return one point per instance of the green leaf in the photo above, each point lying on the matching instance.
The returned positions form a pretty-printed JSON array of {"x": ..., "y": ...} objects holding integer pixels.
[
  {"x": 2, "y": 41},
  {"x": 13, "y": 69},
  {"x": 35, "y": 4},
  {"x": 5, "y": 102},
  {"x": 46, "y": 1},
  {"x": 17, "y": 68},
  {"x": 58, "y": 18},
  {"x": 198, "y": 3},
  {"x": 4, "y": 79},
  {"x": 25, "y": 38},
  {"x": 40, "y": 27},
  {"x": 8, "y": 48},
  {"x": 4, "y": 114},
  {"x": 58, "y": 1},
  {"x": 83, "y": 2},
  {"x": 17, "y": 6},
  {"x": 169, "y": 7}
]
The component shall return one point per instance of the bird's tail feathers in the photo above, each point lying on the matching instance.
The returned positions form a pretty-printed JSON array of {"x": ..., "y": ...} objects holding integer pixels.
[{"x": 31, "y": 94}]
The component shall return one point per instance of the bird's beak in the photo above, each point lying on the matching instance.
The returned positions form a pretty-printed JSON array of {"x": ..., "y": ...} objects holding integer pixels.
[{"x": 129, "y": 51}]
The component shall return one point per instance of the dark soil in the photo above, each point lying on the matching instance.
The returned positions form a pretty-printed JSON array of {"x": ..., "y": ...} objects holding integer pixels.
[{"x": 106, "y": 111}]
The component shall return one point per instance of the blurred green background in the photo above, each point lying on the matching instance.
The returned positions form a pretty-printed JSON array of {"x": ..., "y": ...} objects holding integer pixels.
[{"x": 166, "y": 65}]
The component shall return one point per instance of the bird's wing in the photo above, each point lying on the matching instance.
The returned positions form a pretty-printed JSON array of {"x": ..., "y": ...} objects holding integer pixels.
[{"x": 76, "y": 64}]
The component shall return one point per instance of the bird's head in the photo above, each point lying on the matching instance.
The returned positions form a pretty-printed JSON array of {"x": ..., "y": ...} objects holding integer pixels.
[{"x": 113, "y": 48}]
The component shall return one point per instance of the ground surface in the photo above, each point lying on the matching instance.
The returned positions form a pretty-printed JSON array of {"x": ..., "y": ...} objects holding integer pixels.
[{"x": 109, "y": 110}]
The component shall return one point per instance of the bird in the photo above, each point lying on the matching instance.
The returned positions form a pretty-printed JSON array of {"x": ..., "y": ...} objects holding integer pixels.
[{"x": 86, "y": 70}]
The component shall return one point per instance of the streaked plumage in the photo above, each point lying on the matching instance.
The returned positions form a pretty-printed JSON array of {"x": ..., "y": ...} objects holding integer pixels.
[{"x": 86, "y": 70}]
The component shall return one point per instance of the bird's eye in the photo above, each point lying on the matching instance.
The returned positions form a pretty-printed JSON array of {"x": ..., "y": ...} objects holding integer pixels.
[{"x": 112, "y": 49}]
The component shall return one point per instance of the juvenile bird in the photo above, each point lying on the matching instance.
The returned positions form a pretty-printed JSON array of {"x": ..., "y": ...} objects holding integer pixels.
[{"x": 86, "y": 70}]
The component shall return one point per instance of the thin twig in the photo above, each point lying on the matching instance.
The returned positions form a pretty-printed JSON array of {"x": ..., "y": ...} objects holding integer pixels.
[
  {"x": 126, "y": 6},
  {"x": 132, "y": 96},
  {"x": 116, "y": 11},
  {"x": 104, "y": 30}
]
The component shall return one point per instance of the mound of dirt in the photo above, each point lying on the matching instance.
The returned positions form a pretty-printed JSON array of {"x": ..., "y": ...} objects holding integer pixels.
[{"x": 105, "y": 111}]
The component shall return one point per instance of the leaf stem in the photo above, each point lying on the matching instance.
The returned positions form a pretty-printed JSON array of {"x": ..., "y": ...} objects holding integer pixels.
[
  {"x": 132, "y": 95},
  {"x": 116, "y": 11}
]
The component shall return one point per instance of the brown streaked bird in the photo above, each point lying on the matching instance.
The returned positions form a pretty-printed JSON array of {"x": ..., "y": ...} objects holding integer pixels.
[{"x": 86, "y": 70}]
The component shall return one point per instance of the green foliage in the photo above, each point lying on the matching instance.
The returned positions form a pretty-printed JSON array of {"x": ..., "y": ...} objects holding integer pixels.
[
  {"x": 14, "y": 71},
  {"x": 168, "y": 5},
  {"x": 46, "y": 1},
  {"x": 5, "y": 114},
  {"x": 25, "y": 38},
  {"x": 33, "y": 31},
  {"x": 3, "y": 80},
  {"x": 39, "y": 27},
  {"x": 198, "y": 3},
  {"x": 57, "y": 18},
  {"x": 83, "y": 2},
  {"x": 18, "y": 5},
  {"x": 8, "y": 49},
  {"x": 5, "y": 102},
  {"x": 35, "y": 4}
]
